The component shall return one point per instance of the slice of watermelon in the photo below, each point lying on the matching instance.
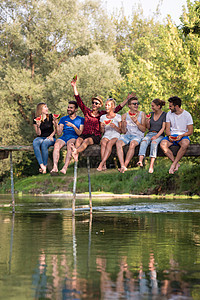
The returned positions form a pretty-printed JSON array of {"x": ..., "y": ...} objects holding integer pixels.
[
  {"x": 107, "y": 122},
  {"x": 148, "y": 116},
  {"x": 75, "y": 77},
  {"x": 173, "y": 137},
  {"x": 56, "y": 116},
  {"x": 131, "y": 114},
  {"x": 38, "y": 118}
]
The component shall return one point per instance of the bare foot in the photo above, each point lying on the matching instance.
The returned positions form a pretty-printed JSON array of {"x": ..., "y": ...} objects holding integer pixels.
[
  {"x": 43, "y": 169},
  {"x": 123, "y": 169},
  {"x": 54, "y": 170},
  {"x": 150, "y": 170},
  {"x": 72, "y": 146},
  {"x": 176, "y": 167},
  {"x": 63, "y": 171},
  {"x": 99, "y": 168},
  {"x": 104, "y": 168},
  {"x": 75, "y": 155},
  {"x": 74, "y": 152},
  {"x": 171, "y": 170},
  {"x": 140, "y": 164}
]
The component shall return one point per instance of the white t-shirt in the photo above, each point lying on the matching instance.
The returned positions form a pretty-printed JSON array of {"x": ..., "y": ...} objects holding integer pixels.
[
  {"x": 132, "y": 128},
  {"x": 110, "y": 132},
  {"x": 179, "y": 123}
]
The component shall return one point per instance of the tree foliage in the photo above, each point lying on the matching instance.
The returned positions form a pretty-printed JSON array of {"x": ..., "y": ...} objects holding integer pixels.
[
  {"x": 44, "y": 43},
  {"x": 164, "y": 63}
]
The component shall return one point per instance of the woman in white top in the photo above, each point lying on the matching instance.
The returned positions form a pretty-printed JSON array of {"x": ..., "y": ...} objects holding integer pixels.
[{"x": 111, "y": 129}]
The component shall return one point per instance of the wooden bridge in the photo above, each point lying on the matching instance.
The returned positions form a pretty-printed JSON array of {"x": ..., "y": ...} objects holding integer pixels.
[{"x": 91, "y": 151}]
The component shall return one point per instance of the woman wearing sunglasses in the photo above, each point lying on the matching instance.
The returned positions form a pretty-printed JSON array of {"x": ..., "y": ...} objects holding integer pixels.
[{"x": 91, "y": 133}]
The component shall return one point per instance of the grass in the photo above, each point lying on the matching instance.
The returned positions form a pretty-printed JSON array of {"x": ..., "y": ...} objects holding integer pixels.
[{"x": 136, "y": 181}]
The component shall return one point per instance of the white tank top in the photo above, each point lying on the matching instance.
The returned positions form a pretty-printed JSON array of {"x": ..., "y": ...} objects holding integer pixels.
[{"x": 132, "y": 127}]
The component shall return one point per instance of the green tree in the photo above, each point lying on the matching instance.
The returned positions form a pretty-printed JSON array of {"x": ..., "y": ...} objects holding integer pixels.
[
  {"x": 164, "y": 63},
  {"x": 38, "y": 39}
]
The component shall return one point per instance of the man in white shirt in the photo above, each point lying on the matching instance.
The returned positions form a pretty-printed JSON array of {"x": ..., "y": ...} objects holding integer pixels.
[{"x": 179, "y": 126}]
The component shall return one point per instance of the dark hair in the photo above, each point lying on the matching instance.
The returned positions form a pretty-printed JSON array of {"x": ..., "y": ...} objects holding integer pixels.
[
  {"x": 131, "y": 99},
  {"x": 175, "y": 100},
  {"x": 74, "y": 103},
  {"x": 159, "y": 102}
]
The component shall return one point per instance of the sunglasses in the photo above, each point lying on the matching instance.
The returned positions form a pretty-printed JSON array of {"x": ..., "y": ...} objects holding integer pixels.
[
  {"x": 95, "y": 102},
  {"x": 136, "y": 103}
]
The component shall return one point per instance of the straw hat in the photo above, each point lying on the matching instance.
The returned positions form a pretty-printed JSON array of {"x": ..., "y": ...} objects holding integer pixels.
[{"x": 98, "y": 98}]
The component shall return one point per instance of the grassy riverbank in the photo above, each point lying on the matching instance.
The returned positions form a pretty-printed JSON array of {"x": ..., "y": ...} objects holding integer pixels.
[{"x": 135, "y": 181}]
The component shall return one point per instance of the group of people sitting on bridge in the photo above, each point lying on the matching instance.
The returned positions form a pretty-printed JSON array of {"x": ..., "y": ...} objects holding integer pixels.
[{"x": 109, "y": 128}]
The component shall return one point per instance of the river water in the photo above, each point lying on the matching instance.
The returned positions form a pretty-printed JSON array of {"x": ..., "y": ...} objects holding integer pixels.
[{"x": 127, "y": 249}]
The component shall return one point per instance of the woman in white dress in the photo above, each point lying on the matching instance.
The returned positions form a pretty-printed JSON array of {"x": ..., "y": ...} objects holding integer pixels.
[{"x": 111, "y": 129}]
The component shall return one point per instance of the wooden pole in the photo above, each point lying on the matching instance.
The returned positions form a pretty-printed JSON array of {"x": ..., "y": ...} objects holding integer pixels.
[
  {"x": 11, "y": 242},
  {"x": 89, "y": 183},
  {"x": 74, "y": 188},
  {"x": 12, "y": 183}
]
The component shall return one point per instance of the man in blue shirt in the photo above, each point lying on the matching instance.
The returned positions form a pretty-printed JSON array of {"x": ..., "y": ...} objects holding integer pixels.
[{"x": 71, "y": 126}]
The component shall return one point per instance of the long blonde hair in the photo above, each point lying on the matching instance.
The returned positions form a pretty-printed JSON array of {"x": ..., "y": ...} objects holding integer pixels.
[{"x": 39, "y": 110}]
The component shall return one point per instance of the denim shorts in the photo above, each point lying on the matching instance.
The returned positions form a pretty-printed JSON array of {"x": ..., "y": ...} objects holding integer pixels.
[
  {"x": 66, "y": 138},
  {"x": 127, "y": 138},
  {"x": 176, "y": 142}
]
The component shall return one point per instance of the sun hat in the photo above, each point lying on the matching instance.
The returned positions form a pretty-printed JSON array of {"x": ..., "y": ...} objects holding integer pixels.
[{"x": 98, "y": 98}]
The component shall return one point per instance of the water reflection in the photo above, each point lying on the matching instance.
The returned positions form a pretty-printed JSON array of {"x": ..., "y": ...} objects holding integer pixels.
[{"x": 142, "y": 255}]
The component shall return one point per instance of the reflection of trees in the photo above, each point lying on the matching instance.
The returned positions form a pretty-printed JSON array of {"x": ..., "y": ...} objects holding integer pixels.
[{"x": 118, "y": 256}]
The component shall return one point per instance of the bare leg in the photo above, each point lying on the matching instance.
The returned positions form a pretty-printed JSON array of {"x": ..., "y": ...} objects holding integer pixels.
[
  {"x": 43, "y": 169},
  {"x": 68, "y": 156},
  {"x": 56, "y": 154},
  {"x": 184, "y": 145},
  {"x": 130, "y": 152},
  {"x": 107, "y": 153},
  {"x": 140, "y": 162},
  {"x": 120, "y": 153},
  {"x": 81, "y": 148},
  {"x": 104, "y": 142},
  {"x": 165, "y": 147},
  {"x": 151, "y": 164}
]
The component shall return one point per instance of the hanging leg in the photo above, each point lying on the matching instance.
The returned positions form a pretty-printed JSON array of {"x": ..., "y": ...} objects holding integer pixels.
[
  {"x": 74, "y": 188},
  {"x": 89, "y": 182},
  {"x": 12, "y": 183}
]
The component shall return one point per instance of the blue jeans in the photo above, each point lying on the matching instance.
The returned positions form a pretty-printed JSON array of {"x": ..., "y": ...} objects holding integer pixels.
[
  {"x": 40, "y": 147},
  {"x": 154, "y": 146}
]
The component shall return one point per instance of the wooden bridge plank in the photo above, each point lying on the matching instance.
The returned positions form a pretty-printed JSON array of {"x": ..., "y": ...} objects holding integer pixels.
[{"x": 94, "y": 150}]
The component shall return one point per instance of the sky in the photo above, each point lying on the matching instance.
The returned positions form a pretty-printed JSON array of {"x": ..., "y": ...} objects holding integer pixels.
[{"x": 167, "y": 7}]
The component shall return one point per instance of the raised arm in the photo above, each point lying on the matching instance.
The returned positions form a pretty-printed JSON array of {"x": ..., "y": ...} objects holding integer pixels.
[
  {"x": 127, "y": 98},
  {"x": 121, "y": 105},
  {"x": 73, "y": 84},
  {"x": 79, "y": 101}
]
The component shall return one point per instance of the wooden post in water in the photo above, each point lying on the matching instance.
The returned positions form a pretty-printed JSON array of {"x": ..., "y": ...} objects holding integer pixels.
[
  {"x": 74, "y": 188},
  {"x": 89, "y": 183},
  {"x": 12, "y": 183}
]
